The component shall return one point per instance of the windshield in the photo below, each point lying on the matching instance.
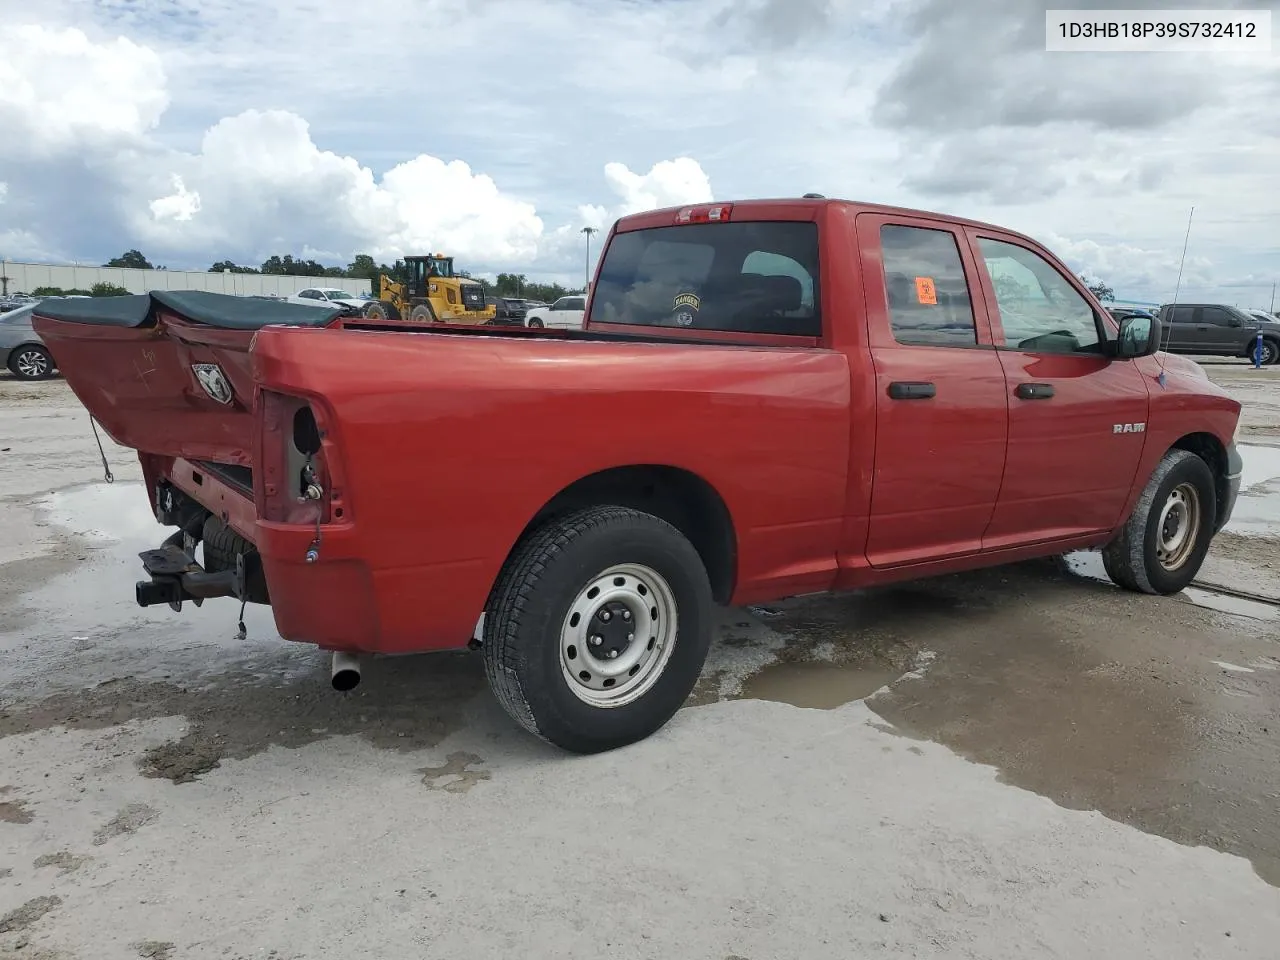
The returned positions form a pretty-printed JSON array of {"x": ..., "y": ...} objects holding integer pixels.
[
  {"x": 338, "y": 295},
  {"x": 750, "y": 277}
]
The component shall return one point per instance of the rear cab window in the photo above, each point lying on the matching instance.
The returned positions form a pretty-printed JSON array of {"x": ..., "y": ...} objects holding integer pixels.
[{"x": 751, "y": 276}]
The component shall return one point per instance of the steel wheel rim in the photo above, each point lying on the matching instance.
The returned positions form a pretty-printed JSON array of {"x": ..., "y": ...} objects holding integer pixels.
[
  {"x": 32, "y": 363},
  {"x": 594, "y": 626},
  {"x": 1268, "y": 353},
  {"x": 1179, "y": 525}
]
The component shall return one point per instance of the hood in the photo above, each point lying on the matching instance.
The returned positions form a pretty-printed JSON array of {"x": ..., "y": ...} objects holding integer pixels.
[{"x": 1180, "y": 369}]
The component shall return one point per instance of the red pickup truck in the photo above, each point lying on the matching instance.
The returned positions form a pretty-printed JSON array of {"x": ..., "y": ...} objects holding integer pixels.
[{"x": 768, "y": 398}]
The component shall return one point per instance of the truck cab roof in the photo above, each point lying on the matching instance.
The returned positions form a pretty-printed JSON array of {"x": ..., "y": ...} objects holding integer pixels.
[{"x": 798, "y": 208}]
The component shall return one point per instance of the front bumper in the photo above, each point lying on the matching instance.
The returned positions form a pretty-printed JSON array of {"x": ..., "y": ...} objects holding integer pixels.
[{"x": 1227, "y": 501}]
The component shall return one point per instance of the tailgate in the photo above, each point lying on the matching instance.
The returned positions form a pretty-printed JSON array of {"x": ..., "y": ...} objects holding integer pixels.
[{"x": 168, "y": 372}]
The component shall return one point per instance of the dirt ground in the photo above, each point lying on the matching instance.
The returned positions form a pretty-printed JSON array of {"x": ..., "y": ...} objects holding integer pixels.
[{"x": 1019, "y": 762}]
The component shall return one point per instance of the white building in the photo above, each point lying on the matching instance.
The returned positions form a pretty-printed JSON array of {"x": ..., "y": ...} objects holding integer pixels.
[{"x": 26, "y": 277}]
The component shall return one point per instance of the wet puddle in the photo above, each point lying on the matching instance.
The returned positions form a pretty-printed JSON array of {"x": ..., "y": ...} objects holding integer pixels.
[
  {"x": 82, "y": 625},
  {"x": 1088, "y": 564},
  {"x": 816, "y": 684},
  {"x": 1257, "y": 511},
  {"x": 1225, "y": 603}
]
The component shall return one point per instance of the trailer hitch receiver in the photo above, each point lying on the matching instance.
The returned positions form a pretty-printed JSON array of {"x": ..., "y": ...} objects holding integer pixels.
[{"x": 175, "y": 577}]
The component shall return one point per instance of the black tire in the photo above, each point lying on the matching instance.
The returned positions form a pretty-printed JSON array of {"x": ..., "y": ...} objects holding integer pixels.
[
  {"x": 1270, "y": 352},
  {"x": 535, "y": 322},
  {"x": 381, "y": 310},
  {"x": 530, "y": 605},
  {"x": 423, "y": 313},
  {"x": 1132, "y": 559},
  {"x": 31, "y": 361}
]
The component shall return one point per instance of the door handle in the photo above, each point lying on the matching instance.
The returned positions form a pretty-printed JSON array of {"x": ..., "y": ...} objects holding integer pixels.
[
  {"x": 1034, "y": 391},
  {"x": 903, "y": 390}
]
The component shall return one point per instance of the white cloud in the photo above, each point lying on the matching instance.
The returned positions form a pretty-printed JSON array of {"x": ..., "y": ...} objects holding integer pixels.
[
  {"x": 260, "y": 181},
  {"x": 4, "y": 191},
  {"x": 182, "y": 204},
  {"x": 505, "y": 166},
  {"x": 1126, "y": 266},
  {"x": 59, "y": 89},
  {"x": 669, "y": 183}
]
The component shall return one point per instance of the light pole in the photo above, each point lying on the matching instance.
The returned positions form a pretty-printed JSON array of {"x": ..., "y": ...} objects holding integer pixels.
[{"x": 588, "y": 231}]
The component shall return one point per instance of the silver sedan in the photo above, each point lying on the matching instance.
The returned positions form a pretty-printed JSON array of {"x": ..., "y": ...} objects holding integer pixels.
[{"x": 21, "y": 349}]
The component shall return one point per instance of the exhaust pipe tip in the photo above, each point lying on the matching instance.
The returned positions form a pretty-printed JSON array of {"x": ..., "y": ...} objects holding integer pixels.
[{"x": 346, "y": 671}]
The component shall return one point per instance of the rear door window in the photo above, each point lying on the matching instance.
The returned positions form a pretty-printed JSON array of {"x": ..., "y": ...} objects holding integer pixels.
[
  {"x": 925, "y": 285},
  {"x": 746, "y": 277}
]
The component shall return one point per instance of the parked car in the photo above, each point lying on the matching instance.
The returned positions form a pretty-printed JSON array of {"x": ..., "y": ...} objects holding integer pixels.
[
  {"x": 21, "y": 349},
  {"x": 509, "y": 311},
  {"x": 331, "y": 297},
  {"x": 1263, "y": 316},
  {"x": 1216, "y": 329},
  {"x": 769, "y": 398},
  {"x": 15, "y": 300},
  {"x": 566, "y": 314}
]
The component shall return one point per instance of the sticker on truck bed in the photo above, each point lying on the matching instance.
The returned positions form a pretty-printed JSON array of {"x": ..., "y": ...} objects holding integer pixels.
[{"x": 926, "y": 292}]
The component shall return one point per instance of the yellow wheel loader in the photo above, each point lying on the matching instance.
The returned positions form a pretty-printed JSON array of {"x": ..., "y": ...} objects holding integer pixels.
[{"x": 432, "y": 294}]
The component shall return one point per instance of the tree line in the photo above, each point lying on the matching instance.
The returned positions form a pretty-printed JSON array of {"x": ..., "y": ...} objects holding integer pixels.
[{"x": 361, "y": 267}]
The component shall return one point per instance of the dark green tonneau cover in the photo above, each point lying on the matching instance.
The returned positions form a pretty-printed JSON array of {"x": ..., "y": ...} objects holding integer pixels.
[{"x": 213, "y": 309}]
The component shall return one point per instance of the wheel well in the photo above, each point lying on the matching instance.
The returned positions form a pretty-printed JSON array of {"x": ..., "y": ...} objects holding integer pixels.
[
  {"x": 1210, "y": 449},
  {"x": 681, "y": 498}
]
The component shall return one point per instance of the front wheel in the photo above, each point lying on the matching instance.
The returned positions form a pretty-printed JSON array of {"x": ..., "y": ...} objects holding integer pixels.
[
  {"x": 598, "y": 628},
  {"x": 1270, "y": 352},
  {"x": 1164, "y": 542},
  {"x": 535, "y": 322},
  {"x": 31, "y": 362}
]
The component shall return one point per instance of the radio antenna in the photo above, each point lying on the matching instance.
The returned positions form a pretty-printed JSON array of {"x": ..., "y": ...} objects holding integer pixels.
[{"x": 1176, "y": 290}]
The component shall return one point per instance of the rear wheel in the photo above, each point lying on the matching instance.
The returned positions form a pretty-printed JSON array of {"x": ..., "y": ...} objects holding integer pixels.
[
  {"x": 31, "y": 362},
  {"x": 377, "y": 310},
  {"x": 598, "y": 628},
  {"x": 1164, "y": 542}
]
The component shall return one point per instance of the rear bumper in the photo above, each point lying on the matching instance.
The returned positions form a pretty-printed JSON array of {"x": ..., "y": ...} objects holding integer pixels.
[
  {"x": 327, "y": 592},
  {"x": 1235, "y": 469}
]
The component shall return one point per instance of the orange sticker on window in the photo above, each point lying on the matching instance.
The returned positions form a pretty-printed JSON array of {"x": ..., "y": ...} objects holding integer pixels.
[{"x": 926, "y": 292}]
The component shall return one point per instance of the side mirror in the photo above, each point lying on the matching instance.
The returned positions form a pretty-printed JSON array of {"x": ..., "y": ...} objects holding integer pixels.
[{"x": 1138, "y": 337}]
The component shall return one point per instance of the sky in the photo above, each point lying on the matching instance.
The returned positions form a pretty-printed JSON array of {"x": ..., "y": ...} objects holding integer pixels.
[{"x": 495, "y": 130}]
